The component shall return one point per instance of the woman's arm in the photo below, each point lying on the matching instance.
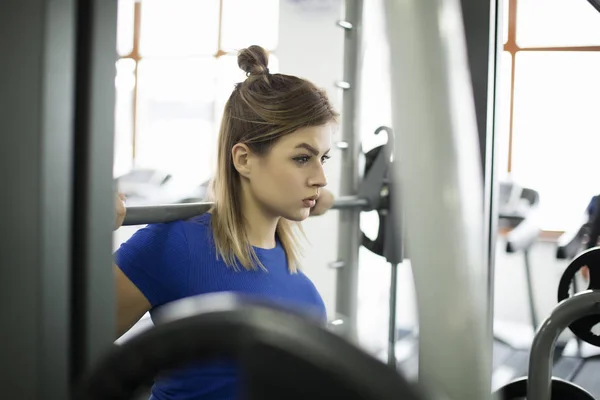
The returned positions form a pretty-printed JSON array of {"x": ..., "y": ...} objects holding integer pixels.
[
  {"x": 131, "y": 303},
  {"x": 148, "y": 269}
]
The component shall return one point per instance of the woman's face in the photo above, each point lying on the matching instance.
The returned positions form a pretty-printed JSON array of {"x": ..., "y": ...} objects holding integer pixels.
[{"x": 287, "y": 181}]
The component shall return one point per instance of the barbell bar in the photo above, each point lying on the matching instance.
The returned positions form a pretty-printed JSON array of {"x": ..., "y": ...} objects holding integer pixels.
[{"x": 156, "y": 214}]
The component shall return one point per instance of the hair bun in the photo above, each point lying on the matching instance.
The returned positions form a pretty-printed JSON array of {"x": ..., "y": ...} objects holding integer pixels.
[{"x": 253, "y": 60}]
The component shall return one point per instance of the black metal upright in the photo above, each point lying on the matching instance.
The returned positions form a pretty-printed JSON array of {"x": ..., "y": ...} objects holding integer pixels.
[
  {"x": 480, "y": 19},
  {"x": 93, "y": 329},
  {"x": 51, "y": 103},
  {"x": 36, "y": 110}
]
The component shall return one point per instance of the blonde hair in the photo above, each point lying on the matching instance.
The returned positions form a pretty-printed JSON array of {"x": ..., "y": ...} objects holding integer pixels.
[{"x": 260, "y": 110}]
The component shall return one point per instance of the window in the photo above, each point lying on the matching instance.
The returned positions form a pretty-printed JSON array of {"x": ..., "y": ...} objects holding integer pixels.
[
  {"x": 179, "y": 28},
  {"x": 556, "y": 23},
  {"x": 556, "y": 130},
  {"x": 176, "y": 99},
  {"x": 124, "y": 104},
  {"x": 177, "y": 69},
  {"x": 547, "y": 123}
]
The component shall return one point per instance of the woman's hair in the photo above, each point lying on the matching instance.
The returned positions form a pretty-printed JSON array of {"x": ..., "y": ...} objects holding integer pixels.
[{"x": 260, "y": 110}]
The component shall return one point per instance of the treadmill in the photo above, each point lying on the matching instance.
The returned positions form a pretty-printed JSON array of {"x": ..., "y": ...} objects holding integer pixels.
[{"x": 519, "y": 224}]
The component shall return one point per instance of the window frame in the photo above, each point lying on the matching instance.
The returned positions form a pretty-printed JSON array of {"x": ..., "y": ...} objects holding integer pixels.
[
  {"x": 136, "y": 56},
  {"x": 511, "y": 46}
]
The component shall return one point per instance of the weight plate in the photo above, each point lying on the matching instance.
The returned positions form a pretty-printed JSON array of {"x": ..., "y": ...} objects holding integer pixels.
[
  {"x": 584, "y": 327},
  {"x": 373, "y": 245},
  {"x": 561, "y": 390}
]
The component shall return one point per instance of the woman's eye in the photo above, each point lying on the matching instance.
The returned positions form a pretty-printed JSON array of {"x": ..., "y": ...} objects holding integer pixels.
[
  {"x": 302, "y": 159},
  {"x": 325, "y": 158}
]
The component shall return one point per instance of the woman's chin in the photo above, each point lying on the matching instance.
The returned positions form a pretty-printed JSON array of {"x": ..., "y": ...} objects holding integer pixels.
[{"x": 297, "y": 215}]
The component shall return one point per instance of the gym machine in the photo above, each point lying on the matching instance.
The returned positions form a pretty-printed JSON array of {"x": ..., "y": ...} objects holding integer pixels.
[
  {"x": 578, "y": 360},
  {"x": 579, "y": 312},
  {"x": 585, "y": 331},
  {"x": 272, "y": 346},
  {"x": 60, "y": 205},
  {"x": 570, "y": 244}
]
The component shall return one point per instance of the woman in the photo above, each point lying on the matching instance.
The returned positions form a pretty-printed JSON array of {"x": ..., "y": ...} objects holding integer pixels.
[{"x": 275, "y": 136}]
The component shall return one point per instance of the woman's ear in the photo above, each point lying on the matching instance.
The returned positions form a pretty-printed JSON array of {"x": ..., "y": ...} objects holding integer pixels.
[{"x": 240, "y": 154}]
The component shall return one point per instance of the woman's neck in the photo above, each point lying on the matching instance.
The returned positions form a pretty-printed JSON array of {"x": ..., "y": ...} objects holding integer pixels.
[{"x": 261, "y": 226}]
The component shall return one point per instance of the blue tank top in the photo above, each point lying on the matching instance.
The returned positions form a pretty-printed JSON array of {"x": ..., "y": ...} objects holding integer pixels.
[{"x": 168, "y": 262}]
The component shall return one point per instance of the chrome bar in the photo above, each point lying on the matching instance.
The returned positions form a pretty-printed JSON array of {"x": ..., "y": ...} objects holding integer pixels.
[
  {"x": 392, "y": 360},
  {"x": 542, "y": 350},
  {"x": 346, "y": 290},
  {"x": 142, "y": 215},
  {"x": 438, "y": 162}
]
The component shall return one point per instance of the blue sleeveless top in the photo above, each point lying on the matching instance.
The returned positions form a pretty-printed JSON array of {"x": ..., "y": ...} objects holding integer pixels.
[{"x": 168, "y": 262}]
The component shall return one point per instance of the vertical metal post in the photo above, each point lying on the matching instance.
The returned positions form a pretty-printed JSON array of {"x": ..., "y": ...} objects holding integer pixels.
[
  {"x": 93, "y": 214},
  {"x": 393, "y": 249},
  {"x": 392, "y": 317},
  {"x": 36, "y": 98},
  {"x": 349, "y": 221},
  {"x": 480, "y": 19},
  {"x": 442, "y": 192},
  {"x": 575, "y": 288},
  {"x": 528, "y": 277}
]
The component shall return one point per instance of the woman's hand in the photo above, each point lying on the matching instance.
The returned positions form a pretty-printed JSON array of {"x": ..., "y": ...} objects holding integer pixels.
[
  {"x": 120, "y": 210},
  {"x": 324, "y": 203}
]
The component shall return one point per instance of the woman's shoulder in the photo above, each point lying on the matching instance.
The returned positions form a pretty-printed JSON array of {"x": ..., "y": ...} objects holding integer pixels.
[
  {"x": 198, "y": 230},
  {"x": 202, "y": 220},
  {"x": 194, "y": 228}
]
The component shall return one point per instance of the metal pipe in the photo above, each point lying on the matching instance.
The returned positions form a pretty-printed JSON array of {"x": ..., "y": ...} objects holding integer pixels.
[
  {"x": 442, "y": 192},
  {"x": 541, "y": 357},
  {"x": 141, "y": 215},
  {"x": 529, "y": 281},
  {"x": 346, "y": 300},
  {"x": 392, "y": 361}
]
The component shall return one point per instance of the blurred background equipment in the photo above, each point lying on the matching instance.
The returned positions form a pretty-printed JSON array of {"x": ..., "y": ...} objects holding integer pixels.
[{"x": 149, "y": 186}]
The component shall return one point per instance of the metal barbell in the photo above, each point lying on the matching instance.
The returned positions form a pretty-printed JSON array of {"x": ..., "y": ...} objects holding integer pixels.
[{"x": 156, "y": 214}]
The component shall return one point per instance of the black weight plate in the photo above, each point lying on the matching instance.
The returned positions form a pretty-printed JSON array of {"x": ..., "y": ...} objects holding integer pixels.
[
  {"x": 373, "y": 245},
  {"x": 561, "y": 390},
  {"x": 272, "y": 346},
  {"x": 582, "y": 328}
]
